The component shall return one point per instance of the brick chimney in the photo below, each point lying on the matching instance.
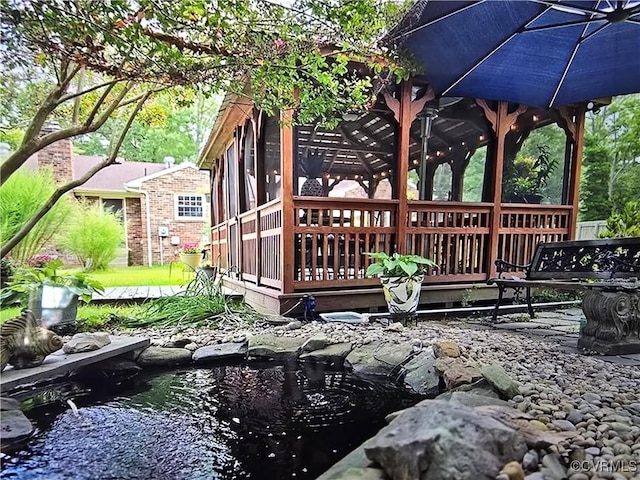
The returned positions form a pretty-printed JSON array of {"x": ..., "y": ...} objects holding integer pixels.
[{"x": 57, "y": 156}]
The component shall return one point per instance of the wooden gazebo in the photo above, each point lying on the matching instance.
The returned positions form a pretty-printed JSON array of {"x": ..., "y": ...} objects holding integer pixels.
[{"x": 387, "y": 184}]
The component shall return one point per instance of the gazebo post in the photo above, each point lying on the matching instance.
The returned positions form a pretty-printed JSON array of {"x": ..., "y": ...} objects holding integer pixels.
[
  {"x": 402, "y": 170},
  {"x": 287, "y": 252},
  {"x": 576, "y": 164}
]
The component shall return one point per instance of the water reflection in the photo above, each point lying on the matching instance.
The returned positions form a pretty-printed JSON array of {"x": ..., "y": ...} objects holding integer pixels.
[{"x": 228, "y": 422}]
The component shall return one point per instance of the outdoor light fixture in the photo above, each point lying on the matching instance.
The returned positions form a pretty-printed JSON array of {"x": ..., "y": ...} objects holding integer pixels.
[{"x": 426, "y": 122}]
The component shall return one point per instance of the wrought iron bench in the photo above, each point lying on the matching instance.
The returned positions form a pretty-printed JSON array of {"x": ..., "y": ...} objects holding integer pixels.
[{"x": 571, "y": 265}]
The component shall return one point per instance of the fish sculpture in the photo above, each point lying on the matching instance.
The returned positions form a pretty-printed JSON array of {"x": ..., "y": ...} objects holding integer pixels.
[{"x": 24, "y": 343}]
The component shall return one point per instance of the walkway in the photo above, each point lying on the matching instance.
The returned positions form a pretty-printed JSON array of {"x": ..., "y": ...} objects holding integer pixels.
[{"x": 560, "y": 326}]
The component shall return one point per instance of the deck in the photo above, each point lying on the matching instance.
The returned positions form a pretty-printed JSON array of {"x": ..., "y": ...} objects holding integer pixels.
[{"x": 59, "y": 363}]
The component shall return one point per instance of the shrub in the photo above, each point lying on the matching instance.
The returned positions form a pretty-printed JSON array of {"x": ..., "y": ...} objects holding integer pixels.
[
  {"x": 625, "y": 223},
  {"x": 94, "y": 236},
  {"x": 21, "y": 197}
]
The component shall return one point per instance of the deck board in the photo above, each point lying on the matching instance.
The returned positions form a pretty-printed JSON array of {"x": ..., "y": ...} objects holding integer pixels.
[{"x": 59, "y": 362}]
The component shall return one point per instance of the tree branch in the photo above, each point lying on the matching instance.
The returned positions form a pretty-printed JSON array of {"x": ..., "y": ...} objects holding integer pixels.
[{"x": 57, "y": 195}]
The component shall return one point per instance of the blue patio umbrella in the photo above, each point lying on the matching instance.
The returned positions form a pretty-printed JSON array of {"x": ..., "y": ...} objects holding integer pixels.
[{"x": 540, "y": 52}]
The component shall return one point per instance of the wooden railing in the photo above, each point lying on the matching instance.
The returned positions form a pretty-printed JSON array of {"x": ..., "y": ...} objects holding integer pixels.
[
  {"x": 454, "y": 235},
  {"x": 523, "y": 227},
  {"x": 250, "y": 245},
  {"x": 333, "y": 235}
]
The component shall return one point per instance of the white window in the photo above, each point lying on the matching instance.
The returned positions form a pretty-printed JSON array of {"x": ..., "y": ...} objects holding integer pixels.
[{"x": 190, "y": 206}]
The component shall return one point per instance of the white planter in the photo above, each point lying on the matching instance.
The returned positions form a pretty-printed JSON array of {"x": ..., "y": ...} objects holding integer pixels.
[
  {"x": 402, "y": 293},
  {"x": 53, "y": 305}
]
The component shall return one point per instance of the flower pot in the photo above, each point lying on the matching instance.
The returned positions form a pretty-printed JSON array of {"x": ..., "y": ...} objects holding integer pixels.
[
  {"x": 402, "y": 293},
  {"x": 191, "y": 259},
  {"x": 54, "y": 305}
]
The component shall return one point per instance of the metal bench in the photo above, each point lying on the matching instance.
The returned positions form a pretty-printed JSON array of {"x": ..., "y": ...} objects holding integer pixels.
[{"x": 570, "y": 265}]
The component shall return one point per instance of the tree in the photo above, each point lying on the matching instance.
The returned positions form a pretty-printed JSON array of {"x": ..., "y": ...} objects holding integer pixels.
[
  {"x": 595, "y": 203},
  {"x": 283, "y": 56}
]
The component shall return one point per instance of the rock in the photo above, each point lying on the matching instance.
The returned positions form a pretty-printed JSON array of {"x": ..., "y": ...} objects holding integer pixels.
[
  {"x": 530, "y": 461},
  {"x": 161, "y": 356},
  {"x": 357, "y": 459},
  {"x": 14, "y": 427},
  {"x": 579, "y": 476},
  {"x": 295, "y": 325},
  {"x": 421, "y": 376},
  {"x": 539, "y": 425},
  {"x": 513, "y": 471},
  {"x": 553, "y": 466},
  {"x": 273, "y": 347},
  {"x": 575, "y": 416},
  {"x": 395, "y": 327},
  {"x": 446, "y": 349},
  {"x": 456, "y": 372},
  {"x": 378, "y": 358},
  {"x": 439, "y": 440},
  {"x": 331, "y": 355},
  {"x": 362, "y": 474},
  {"x": 179, "y": 343},
  {"x": 86, "y": 342},
  {"x": 315, "y": 342},
  {"x": 535, "y": 476},
  {"x": 564, "y": 425},
  {"x": 591, "y": 397},
  {"x": 7, "y": 403},
  {"x": 500, "y": 380},
  {"x": 219, "y": 352},
  {"x": 118, "y": 369},
  {"x": 471, "y": 399}
]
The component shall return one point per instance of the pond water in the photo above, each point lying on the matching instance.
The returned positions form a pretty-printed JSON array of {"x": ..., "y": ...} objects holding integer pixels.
[{"x": 227, "y": 422}]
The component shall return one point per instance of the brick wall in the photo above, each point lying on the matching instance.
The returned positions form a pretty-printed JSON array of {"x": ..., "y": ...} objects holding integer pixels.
[
  {"x": 136, "y": 238},
  {"x": 162, "y": 196}
]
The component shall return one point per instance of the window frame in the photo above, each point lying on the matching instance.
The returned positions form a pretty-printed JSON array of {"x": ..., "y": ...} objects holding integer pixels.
[{"x": 203, "y": 205}]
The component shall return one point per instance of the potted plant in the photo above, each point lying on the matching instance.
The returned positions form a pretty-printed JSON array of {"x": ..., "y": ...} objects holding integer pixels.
[
  {"x": 52, "y": 296},
  {"x": 401, "y": 277},
  {"x": 527, "y": 177},
  {"x": 191, "y": 255}
]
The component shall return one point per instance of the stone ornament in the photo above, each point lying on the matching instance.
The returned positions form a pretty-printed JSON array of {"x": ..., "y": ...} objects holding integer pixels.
[{"x": 24, "y": 343}]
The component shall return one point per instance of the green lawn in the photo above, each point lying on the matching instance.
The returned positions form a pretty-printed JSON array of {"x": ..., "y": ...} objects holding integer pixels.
[
  {"x": 121, "y": 277},
  {"x": 143, "y": 276}
]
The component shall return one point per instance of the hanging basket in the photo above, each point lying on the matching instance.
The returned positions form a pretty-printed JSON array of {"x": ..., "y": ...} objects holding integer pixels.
[
  {"x": 402, "y": 293},
  {"x": 191, "y": 259}
]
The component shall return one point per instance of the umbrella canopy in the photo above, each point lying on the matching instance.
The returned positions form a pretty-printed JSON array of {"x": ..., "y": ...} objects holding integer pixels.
[{"x": 541, "y": 53}]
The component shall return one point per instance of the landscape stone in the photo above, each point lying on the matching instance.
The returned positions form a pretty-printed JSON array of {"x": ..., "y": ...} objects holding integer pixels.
[
  {"x": 7, "y": 403},
  {"x": 86, "y": 342},
  {"x": 332, "y": 354},
  {"x": 446, "y": 349},
  {"x": 14, "y": 427},
  {"x": 378, "y": 358},
  {"x": 513, "y": 471},
  {"x": 421, "y": 376},
  {"x": 162, "y": 356},
  {"x": 274, "y": 347},
  {"x": 531, "y": 460},
  {"x": 456, "y": 372},
  {"x": 498, "y": 378},
  {"x": 362, "y": 474},
  {"x": 316, "y": 342},
  {"x": 219, "y": 352},
  {"x": 440, "y": 440}
]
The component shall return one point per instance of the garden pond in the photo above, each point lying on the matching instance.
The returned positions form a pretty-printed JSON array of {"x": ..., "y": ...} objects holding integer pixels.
[{"x": 226, "y": 422}]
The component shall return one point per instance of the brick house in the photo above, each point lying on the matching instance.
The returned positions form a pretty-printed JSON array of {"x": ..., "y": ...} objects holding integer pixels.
[{"x": 162, "y": 205}]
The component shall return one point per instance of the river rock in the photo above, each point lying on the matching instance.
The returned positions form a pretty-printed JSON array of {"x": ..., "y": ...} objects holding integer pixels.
[
  {"x": 331, "y": 355},
  {"x": 362, "y": 474},
  {"x": 219, "y": 351},
  {"x": 315, "y": 342},
  {"x": 446, "y": 349},
  {"x": 378, "y": 358},
  {"x": 500, "y": 380},
  {"x": 86, "y": 342},
  {"x": 437, "y": 440},
  {"x": 512, "y": 471},
  {"x": 456, "y": 372},
  {"x": 274, "y": 347},
  {"x": 421, "y": 375},
  {"x": 161, "y": 356},
  {"x": 14, "y": 427}
]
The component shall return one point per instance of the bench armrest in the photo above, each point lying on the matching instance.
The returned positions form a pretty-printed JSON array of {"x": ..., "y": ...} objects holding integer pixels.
[{"x": 502, "y": 266}]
